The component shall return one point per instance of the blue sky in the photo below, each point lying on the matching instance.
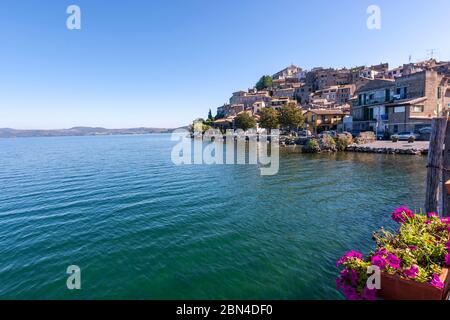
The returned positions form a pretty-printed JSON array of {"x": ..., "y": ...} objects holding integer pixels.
[{"x": 161, "y": 63}]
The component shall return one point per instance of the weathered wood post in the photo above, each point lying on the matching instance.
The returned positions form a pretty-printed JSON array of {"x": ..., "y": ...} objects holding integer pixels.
[
  {"x": 435, "y": 163},
  {"x": 446, "y": 174}
]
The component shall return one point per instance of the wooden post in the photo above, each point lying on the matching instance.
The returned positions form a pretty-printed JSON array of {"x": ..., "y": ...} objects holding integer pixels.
[
  {"x": 435, "y": 163},
  {"x": 446, "y": 174}
]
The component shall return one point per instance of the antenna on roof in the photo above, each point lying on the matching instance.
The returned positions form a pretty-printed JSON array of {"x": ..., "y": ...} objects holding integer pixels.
[
  {"x": 431, "y": 52},
  {"x": 410, "y": 58}
]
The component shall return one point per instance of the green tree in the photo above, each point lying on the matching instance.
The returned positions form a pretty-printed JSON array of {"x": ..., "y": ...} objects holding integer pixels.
[
  {"x": 265, "y": 82},
  {"x": 291, "y": 117},
  {"x": 199, "y": 125},
  {"x": 269, "y": 118},
  {"x": 210, "y": 116},
  {"x": 244, "y": 121}
]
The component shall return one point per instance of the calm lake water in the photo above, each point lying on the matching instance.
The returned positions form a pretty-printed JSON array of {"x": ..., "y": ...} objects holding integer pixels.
[{"x": 140, "y": 227}]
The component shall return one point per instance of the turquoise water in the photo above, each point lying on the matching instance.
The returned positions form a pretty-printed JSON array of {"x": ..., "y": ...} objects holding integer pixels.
[{"x": 140, "y": 227}]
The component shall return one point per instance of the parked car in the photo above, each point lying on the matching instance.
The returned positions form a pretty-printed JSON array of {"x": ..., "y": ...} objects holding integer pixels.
[
  {"x": 426, "y": 130},
  {"x": 383, "y": 135},
  {"x": 304, "y": 133},
  {"x": 404, "y": 136},
  {"x": 329, "y": 133}
]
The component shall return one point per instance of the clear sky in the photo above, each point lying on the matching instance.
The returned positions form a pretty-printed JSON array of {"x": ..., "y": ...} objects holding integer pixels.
[{"x": 161, "y": 63}]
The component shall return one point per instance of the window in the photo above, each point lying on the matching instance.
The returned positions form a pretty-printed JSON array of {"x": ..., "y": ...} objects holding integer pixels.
[
  {"x": 417, "y": 108},
  {"x": 399, "y": 109}
]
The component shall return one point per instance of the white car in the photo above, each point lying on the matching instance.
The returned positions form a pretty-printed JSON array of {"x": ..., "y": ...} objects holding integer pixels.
[{"x": 405, "y": 135}]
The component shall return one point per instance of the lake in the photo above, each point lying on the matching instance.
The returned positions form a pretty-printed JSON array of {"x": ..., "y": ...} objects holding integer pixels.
[{"x": 140, "y": 227}]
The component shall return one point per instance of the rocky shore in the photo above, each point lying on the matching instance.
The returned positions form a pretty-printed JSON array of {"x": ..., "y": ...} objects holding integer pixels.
[{"x": 388, "y": 147}]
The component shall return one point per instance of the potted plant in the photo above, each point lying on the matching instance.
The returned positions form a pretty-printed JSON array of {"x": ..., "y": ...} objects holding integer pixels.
[
  {"x": 395, "y": 138},
  {"x": 411, "y": 139},
  {"x": 413, "y": 261}
]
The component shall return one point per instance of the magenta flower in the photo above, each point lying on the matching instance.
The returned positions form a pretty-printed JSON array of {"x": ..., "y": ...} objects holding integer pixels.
[
  {"x": 447, "y": 245},
  {"x": 400, "y": 215},
  {"x": 432, "y": 214},
  {"x": 413, "y": 248},
  {"x": 447, "y": 260},
  {"x": 369, "y": 294},
  {"x": 379, "y": 261},
  {"x": 339, "y": 283},
  {"x": 354, "y": 277},
  {"x": 393, "y": 261},
  {"x": 351, "y": 254},
  {"x": 350, "y": 293},
  {"x": 411, "y": 272},
  {"x": 382, "y": 252},
  {"x": 445, "y": 220},
  {"x": 436, "y": 282}
]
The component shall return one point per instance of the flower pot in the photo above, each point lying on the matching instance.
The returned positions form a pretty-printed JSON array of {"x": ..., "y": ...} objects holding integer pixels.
[
  {"x": 447, "y": 185},
  {"x": 393, "y": 287}
]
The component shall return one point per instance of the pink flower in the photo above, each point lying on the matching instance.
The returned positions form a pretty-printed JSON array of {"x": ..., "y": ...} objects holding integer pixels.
[
  {"x": 350, "y": 293},
  {"x": 413, "y": 248},
  {"x": 447, "y": 260},
  {"x": 400, "y": 215},
  {"x": 447, "y": 245},
  {"x": 369, "y": 294},
  {"x": 378, "y": 261},
  {"x": 351, "y": 254},
  {"x": 432, "y": 214},
  {"x": 393, "y": 261},
  {"x": 339, "y": 283},
  {"x": 353, "y": 277},
  {"x": 411, "y": 272},
  {"x": 436, "y": 282},
  {"x": 445, "y": 220}
]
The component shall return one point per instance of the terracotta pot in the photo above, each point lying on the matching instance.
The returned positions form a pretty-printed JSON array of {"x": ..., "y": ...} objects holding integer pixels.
[
  {"x": 393, "y": 287},
  {"x": 447, "y": 185}
]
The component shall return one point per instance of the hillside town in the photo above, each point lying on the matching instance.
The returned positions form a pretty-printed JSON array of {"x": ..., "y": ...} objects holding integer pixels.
[{"x": 366, "y": 98}]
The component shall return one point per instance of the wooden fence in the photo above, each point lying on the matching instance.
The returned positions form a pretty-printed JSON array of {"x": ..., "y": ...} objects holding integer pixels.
[{"x": 438, "y": 175}]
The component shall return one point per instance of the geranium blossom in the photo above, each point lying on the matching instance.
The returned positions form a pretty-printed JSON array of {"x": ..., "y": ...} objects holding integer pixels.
[
  {"x": 447, "y": 260},
  {"x": 436, "y": 281}
]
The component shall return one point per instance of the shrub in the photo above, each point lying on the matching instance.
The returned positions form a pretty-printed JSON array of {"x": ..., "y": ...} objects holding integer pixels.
[
  {"x": 327, "y": 143},
  {"x": 411, "y": 139},
  {"x": 343, "y": 141},
  {"x": 395, "y": 139},
  {"x": 312, "y": 146},
  {"x": 417, "y": 251}
]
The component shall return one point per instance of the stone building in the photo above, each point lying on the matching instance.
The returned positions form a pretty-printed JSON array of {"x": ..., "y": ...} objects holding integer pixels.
[{"x": 406, "y": 104}]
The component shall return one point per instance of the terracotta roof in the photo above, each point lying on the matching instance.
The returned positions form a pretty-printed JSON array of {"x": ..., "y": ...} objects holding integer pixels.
[{"x": 327, "y": 112}]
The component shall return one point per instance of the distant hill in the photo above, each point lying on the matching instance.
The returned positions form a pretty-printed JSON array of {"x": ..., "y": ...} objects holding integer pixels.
[{"x": 77, "y": 131}]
